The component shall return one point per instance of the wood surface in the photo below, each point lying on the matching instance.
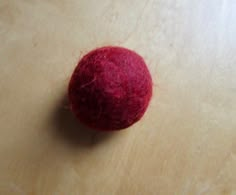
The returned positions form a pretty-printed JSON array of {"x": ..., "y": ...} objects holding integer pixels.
[{"x": 186, "y": 142}]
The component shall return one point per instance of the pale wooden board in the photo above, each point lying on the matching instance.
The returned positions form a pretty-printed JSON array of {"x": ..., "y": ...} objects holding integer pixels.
[{"x": 185, "y": 144}]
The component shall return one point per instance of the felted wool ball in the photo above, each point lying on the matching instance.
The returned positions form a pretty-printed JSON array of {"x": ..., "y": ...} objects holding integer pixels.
[{"x": 110, "y": 88}]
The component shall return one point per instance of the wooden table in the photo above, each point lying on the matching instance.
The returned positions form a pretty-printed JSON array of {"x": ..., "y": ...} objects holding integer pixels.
[{"x": 185, "y": 144}]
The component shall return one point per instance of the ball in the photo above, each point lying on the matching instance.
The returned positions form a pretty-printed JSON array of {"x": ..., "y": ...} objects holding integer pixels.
[{"x": 110, "y": 89}]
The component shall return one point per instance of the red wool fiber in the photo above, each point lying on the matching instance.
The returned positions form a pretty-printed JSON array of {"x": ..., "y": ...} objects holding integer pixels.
[{"x": 110, "y": 88}]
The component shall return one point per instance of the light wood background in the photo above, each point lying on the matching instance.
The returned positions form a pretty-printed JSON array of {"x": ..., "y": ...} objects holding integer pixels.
[{"x": 185, "y": 144}]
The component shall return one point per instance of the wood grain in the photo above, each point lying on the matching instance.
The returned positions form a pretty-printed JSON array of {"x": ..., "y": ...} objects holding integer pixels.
[{"x": 185, "y": 144}]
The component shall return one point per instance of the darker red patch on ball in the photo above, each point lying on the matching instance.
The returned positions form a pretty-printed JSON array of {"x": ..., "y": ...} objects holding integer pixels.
[{"x": 110, "y": 88}]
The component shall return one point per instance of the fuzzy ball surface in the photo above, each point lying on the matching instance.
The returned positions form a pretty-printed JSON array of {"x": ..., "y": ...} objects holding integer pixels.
[{"x": 110, "y": 88}]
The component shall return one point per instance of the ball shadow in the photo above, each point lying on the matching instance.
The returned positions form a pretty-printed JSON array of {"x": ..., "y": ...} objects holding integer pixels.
[{"x": 70, "y": 130}]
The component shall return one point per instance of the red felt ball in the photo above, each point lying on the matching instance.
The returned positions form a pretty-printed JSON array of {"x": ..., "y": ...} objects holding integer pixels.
[{"x": 110, "y": 88}]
